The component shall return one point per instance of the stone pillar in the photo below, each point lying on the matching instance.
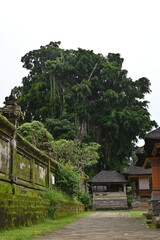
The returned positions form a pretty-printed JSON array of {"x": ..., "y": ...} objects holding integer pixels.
[{"x": 124, "y": 188}]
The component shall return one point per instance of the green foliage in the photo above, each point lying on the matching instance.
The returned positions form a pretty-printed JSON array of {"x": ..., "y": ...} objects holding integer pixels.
[
  {"x": 78, "y": 93},
  {"x": 84, "y": 198},
  {"x": 56, "y": 196},
  {"x": 68, "y": 179},
  {"x": 137, "y": 214},
  {"x": 61, "y": 128},
  {"x": 79, "y": 154},
  {"x": 74, "y": 152},
  {"x": 129, "y": 201},
  {"x": 35, "y": 132}
]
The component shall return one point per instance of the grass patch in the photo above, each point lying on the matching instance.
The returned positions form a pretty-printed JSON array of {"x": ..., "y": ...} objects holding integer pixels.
[
  {"x": 57, "y": 195},
  {"x": 24, "y": 233},
  {"x": 137, "y": 214}
]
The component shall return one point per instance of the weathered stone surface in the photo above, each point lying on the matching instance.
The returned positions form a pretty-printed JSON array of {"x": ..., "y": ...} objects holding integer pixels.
[
  {"x": 21, "y": 210},
  {"x": 23, "y": 166},
  {"x": 11, "y": 110},
  {"x": 109, "y": 200},
  {"x": 115, "y": 225},
  {"x": 68, "y": 209}
]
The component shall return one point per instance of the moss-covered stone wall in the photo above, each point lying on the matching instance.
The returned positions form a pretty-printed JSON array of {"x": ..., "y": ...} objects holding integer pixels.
[
  {"x": 21, "y": 210},
  {"x": 25, "y": 173},
  {"x": 68, "y": 209},
  {"x": 24, "y": 169},
  {"x": 24, "y": 210}
]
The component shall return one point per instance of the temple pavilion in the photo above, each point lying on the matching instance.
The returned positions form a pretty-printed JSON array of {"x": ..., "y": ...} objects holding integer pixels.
[
  {"x": 139, "y": 179},
  {"x": 150, "y": 158},
  {"x": 140, "y": 186},
  {"x": 108, "y": 189}
]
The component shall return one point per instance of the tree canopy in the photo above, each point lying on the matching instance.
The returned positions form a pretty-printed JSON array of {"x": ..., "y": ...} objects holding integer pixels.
[
  {"x": 78, "y": 94},
  {"x": 77, "y": 153}
]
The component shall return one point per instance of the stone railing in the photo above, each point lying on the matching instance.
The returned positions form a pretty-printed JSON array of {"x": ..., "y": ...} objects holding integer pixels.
[{"x": 23, "y": 168}]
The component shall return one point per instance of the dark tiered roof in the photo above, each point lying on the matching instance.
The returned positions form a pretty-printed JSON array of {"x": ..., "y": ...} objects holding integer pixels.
[
  {"x": 147, "y": 150},
  {"x": 108, "y": 177},
  {"x": 141, "y": 156},
  {"x": 155, "y": 134},
  {"x": 150, "y": 140},
  {"x": 134, "y": 170}
]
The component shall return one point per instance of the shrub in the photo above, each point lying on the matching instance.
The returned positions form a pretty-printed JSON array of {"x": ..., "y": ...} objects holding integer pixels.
[
  {"x": 84, "y": 198},
  {"x": 56, "y": 196},
  {"x": 68, "y": 179}
]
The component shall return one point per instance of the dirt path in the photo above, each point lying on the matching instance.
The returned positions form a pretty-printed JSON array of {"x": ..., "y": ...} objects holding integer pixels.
[{"x": 117, "y": 225}]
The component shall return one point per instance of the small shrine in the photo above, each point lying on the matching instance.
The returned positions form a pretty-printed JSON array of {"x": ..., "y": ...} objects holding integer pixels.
[
  {"x": 150, "y": 158},
  {"x": 140, "y": 186},
  {"x": 108, "y": 189},
  {"x": 139, "y": 179}
]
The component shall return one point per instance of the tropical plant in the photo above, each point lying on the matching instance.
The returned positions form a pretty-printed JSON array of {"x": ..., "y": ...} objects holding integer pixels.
[
  {"x": 76, "y": 153},
  {"x": 35, "y": 133},
  {"x": 68, "y": 179},
  {"x": 86, "y": 94}
]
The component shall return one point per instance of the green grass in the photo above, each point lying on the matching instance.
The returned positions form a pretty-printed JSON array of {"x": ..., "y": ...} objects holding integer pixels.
[
  {"x": 24, "y": 233},
  {"x": 57, "y": 195},
  {"x": 137, "y": 214}
]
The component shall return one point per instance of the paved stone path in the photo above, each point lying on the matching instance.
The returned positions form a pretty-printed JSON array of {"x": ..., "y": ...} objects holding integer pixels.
[{"x": 117, "y": 225}]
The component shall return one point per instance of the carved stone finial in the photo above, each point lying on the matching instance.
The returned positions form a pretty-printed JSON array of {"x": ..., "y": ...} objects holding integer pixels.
[{"x": 11, "y": 110}]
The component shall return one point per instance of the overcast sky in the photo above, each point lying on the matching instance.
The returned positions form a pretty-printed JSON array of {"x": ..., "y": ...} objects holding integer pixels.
[{"x": 128, "y": 27}]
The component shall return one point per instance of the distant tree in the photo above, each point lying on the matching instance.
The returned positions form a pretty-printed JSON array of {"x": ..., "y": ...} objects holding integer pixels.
[
  {"x": 82, "y": 95},
  {"x": 61, "y": 128},
  {"x": 78, "y": 154}
]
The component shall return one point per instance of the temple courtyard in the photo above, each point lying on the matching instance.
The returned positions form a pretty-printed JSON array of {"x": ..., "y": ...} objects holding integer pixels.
[{"x": 117, "y": 225}]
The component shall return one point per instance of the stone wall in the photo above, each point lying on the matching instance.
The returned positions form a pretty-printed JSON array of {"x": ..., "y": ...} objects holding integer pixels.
[
  {"x": 21, "y": 210},
  {"x": 24, "y": 170},
  {"x": 24, "y": 210},
  {"x": 68, "y": 209},
  {"x": 25, "y": 173},
  {"x": 109, "y": 200}
]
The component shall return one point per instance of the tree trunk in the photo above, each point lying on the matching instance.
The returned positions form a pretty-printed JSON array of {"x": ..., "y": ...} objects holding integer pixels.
[
  {"x": 107, "y": 153},
  {"x": 82, "y": 127}
]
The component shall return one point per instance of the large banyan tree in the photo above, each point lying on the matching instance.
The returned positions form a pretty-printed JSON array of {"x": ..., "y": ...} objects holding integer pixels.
[{"x": 80, "y": 94}]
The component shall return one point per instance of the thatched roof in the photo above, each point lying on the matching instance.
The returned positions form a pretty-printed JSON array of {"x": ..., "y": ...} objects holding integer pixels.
[
  {"x": 134, "y": 170},
  {"x": 108, "y": 177}
]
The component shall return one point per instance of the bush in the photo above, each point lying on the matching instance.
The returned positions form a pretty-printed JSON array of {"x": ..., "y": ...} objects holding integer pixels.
[
  {"x": 84, "y": 198},
  {"x": 68, "y": 179},
  {"x": 34, "y": 132},
  {"x": 56, "y": 196}
]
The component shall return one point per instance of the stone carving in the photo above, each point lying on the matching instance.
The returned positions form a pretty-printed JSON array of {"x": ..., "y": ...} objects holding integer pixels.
[{"x": 11, "y": 110}]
